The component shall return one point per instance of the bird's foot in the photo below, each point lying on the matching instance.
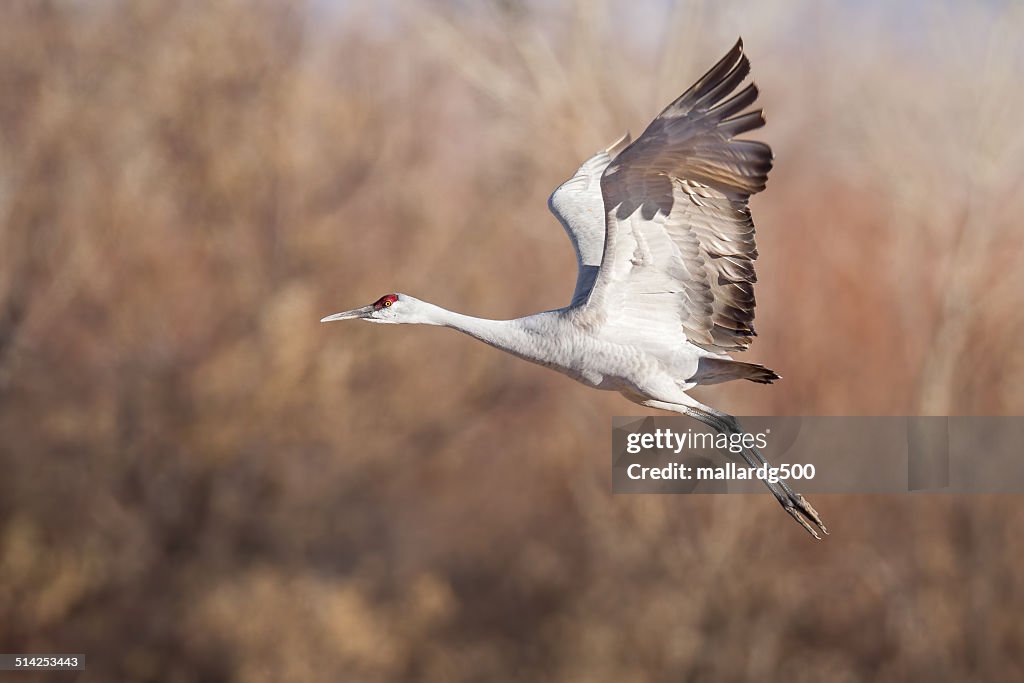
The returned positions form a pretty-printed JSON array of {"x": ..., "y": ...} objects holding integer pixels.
[{"x": 800, "y": 510}]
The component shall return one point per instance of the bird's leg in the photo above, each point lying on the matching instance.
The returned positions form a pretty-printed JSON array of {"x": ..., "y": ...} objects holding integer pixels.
[
  {"x": 793, "y": 503},
  {"x": 726, "y": 424},
  {"x": 798, "y": 501}
]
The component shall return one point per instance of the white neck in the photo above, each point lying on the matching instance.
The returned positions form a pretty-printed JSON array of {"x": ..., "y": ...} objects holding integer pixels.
[{"x": 508, "y": 335}]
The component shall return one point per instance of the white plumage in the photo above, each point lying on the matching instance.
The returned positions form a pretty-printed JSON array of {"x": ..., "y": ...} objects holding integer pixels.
[{"x": 665, "y": 251}]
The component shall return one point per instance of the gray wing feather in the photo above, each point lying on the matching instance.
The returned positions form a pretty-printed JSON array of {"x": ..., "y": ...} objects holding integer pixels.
[
  {"x": 579, "y": 206},
  {"x": 679, "y": 235}
]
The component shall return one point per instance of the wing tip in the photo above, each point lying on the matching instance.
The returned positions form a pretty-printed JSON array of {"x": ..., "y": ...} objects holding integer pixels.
[
  {"x": 717, "y": 82},
  {"x": 742, "y": 123}
]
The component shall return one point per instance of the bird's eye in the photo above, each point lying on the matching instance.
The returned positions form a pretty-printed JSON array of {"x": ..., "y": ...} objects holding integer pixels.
[{"x": 387, "y": 303}]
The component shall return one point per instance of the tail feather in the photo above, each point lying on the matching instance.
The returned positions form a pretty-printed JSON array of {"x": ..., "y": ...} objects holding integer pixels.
[{"x": 716, "y": 370}]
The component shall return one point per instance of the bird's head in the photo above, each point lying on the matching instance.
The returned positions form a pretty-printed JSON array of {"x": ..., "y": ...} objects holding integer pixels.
[{"x": 390, "y": 308}]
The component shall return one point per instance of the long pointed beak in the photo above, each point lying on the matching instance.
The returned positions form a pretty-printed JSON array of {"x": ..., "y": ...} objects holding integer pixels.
[{"x": 349, "y": 315}]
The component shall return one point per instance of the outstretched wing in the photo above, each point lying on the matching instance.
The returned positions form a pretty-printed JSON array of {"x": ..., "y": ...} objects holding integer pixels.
[
  {"x": 679, "y": 245},
  {"x": 579, "y": 206}
]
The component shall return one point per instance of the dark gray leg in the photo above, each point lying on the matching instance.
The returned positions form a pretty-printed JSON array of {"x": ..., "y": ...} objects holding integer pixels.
[{"x": 792, "y": 502}]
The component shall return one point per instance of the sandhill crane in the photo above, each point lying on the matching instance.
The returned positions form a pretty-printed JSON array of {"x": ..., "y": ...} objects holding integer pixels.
[{"x": 665, "y": 252}]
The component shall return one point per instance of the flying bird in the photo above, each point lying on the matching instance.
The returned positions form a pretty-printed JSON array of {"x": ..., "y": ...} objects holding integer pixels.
[{"x": 665, "y": 252}]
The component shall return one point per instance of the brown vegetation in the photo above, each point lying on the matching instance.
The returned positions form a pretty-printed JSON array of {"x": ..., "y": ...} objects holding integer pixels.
[{"x": 201, "y": 482}]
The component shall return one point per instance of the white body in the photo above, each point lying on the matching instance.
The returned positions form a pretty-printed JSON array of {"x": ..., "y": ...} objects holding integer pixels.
[
  {"x": 665, "y": 252},
  {"x": 600, "y": 356}
]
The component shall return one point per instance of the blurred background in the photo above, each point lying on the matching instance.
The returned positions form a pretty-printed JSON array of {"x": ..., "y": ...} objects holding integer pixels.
[{"x": 202, "y": 482}]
